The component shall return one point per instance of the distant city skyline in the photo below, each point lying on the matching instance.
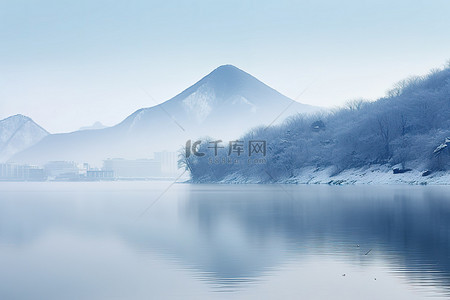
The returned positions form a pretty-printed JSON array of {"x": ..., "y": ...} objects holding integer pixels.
[{"x": 68, "y": 65}]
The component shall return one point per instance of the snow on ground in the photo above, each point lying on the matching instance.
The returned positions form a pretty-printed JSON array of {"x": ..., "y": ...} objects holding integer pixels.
[
  {"x": 377, "y": 174},
  {"x": 370, "y": 175}
]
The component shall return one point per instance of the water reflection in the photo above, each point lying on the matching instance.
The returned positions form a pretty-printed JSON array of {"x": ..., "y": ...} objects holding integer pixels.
[
  {"x": 407, "y": 227},
  {"x": 231, "y": 237}
]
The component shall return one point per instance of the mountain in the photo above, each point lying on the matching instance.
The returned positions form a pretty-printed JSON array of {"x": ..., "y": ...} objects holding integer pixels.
[
  {"x": 17, "y": 133},
  {"x": 223, "y": 104},
  {"x": 96, "y": 125},
  {"x": 403, "y": 137}
]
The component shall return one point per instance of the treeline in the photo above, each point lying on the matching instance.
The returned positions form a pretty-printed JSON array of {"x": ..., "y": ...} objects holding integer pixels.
[{"x": 404, "y": 128}]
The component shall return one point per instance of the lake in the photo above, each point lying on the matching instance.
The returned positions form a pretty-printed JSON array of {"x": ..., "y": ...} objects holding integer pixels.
[{"x": 154, "y": 240}]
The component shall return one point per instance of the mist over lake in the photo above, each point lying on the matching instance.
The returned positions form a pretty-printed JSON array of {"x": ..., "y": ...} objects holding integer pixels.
[{"x": 132, "y": 240}]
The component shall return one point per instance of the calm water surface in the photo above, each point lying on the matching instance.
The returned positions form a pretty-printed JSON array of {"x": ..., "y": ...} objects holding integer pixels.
[{"x": 123, "y": 240}]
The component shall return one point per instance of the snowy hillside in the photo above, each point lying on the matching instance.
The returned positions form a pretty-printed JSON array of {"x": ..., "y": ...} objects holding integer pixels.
[
  {"x": 18, "y": 133},
  {"x": 405, "y": 134}
]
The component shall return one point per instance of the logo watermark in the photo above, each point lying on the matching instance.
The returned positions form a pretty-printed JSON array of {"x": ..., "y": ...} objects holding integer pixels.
[{"x": 236, "y": 152}]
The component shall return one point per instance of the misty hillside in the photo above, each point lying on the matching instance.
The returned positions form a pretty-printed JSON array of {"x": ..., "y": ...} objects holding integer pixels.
[
  {"x": 407, "y": 129},
  {"x": 17, "y": 133},
  {"x": 225, "y": 103}
]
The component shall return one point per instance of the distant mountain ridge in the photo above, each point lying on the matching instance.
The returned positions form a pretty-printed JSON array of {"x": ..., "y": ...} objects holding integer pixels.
[
  {"x": 96, "y": 125},
  {"x": 224, "y": 104},
  {"x": 17, "y": 133}
]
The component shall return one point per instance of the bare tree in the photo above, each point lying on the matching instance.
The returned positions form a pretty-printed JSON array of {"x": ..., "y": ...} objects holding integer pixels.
[
  {"x": 403, "y": 124},
  {"x": 354, "y": 105},
  {"x": 385, "y": 133},
  {"x": 400, "y": 87}
]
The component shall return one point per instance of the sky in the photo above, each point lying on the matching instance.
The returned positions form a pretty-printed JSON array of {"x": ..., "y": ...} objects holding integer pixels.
[{"x": 68, "y": 64}]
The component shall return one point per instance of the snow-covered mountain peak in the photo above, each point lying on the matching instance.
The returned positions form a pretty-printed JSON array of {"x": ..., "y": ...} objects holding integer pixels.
[
  {"x": 226, "y": 73},
  {"x": 11, "y": 124},
  {"x": 17, "y": 133},
  {"x": 15, "y": 119},
  {"x": 230, "y": 78}
]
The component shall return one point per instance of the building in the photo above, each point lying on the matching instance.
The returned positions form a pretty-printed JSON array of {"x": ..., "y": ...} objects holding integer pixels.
[
  {"x": 62, "y": 170},
  {"x": 99, "y": 175},
  {"x": 133, "y": 169},
  {"x": 16, "y": 172}
]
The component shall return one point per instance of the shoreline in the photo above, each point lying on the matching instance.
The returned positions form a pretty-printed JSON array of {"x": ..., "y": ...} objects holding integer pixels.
[{"x": 373, "y": 175}]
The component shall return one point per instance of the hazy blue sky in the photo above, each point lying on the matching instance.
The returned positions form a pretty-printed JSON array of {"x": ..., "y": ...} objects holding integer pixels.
[{"x": 67, "y": 64}]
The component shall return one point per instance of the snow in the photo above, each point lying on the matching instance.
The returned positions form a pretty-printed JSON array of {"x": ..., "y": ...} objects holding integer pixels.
[
  {"x": 442, "y": 146},
  {"x": 246, "y": 102},
  {"x": 137, "y": 117},
  {"x": 377, "y": 174},
  {"x": 198, "y": 103},
  {"x": 18, "y": 133}
]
